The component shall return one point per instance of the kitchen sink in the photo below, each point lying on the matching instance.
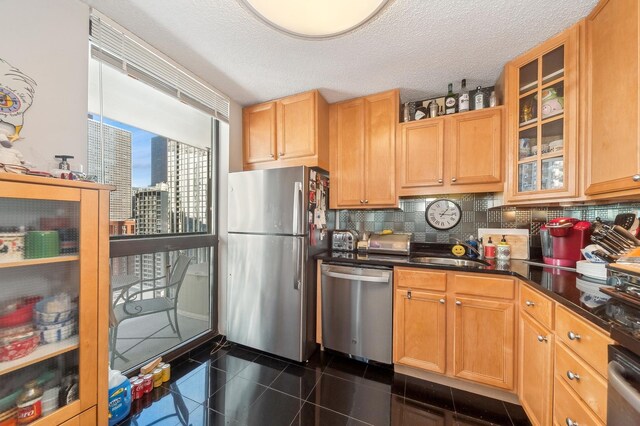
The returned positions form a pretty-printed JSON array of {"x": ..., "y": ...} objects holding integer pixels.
[{"x": 449, "y": 261}]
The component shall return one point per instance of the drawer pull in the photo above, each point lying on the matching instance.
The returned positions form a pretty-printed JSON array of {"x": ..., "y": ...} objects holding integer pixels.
[
  {"x": 573, "y": 336},
  {"x": 458, "y": 302},
  {"x": 636, "y": 178},
  {"x": 571, "y": 375},
  {"x": 441, "y": 301},
  {"x": 571, "y": 422},
  {"x": 542, "y": 339},
  {"x": 529, "y": 303}
]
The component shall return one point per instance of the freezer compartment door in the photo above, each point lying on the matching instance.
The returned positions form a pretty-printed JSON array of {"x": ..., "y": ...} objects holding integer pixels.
[
  {"x": 269, "y": 201},
  {"x": 357, "y": 311},
  {"x": 266, "y": 291}
]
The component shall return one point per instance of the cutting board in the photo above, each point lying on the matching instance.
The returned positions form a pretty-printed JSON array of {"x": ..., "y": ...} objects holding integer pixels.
[{"x": 518, "y": 238}]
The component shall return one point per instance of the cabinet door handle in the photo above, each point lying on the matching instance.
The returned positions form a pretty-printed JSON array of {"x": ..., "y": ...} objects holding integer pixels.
[
  {"x": 636, "y": 178},
  {"x": 441, "y": 301},
  {"x": 529, "y": 303},
  {"x": 571, "y": 422},
  {"x": 366, "y": 201},
  {"x": 271, "y": 155},
  {"x": 281, "y": 154},
  {"x": 361, "y": 201},
  {"x": 453, "y": 179},
  {"x": 573, "y": 336},
  {"x": 439, "y": 180},
  {"x": 409, "y": 294},
  {"x": 542, "y": 338},
  {"x": 571, "y": 375},
  {"x": 458, "y": 302}
]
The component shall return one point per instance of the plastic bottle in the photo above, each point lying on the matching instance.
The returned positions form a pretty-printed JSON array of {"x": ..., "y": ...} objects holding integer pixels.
[
  {"x": 503, "y": 252},
  {"x": 473, "y": 243},
  {"x": 489, "y": 250},
  {"x": 119, "y": 396}
]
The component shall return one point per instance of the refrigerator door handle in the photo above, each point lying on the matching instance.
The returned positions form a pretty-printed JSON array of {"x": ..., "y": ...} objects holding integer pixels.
[
  {"x": 297, "y": 208},
  {"x": 298, "y": 261}
]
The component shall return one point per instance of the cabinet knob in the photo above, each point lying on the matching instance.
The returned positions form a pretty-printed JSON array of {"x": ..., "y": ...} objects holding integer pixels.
[
  {"x": 571, "y": 375},
  {"x": 636, "y": 178},
  {"x": 542, "y": 339},
  {"x": 281, "y": 154},
  {"x": 439, "y": 180},
  {"x": 441, "y": 301},
  {"x": 529, "y": 303},
  {"x": 361, "y": 201},
  {"x": 366, "y": 201},
  {"x": 573, "y": 336},
  {"x": 271, "y": 155},
  {"x": 453, "y": 179},
  {"x": 458, "y": 302},
  {"x": 571, "y": 422}
]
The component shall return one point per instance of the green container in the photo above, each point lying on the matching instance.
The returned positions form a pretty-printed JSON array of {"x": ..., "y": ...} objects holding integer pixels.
[{"x": 38, "y": 244}]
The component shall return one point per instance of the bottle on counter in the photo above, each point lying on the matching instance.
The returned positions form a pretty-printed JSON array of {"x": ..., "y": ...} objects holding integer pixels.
[
  {"x": 450, "y": 101},
  {"x": 478, "y": 99},
  {"x": 503, "y": 250},
  {"x": 473, "y": 243},
  {"x": 463, "y": 99},
  {"x": 489, "y": 250},
  {"x": 480, "y": 249}
]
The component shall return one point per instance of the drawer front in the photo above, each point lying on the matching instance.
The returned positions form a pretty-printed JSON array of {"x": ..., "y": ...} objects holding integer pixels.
[
  {"x": 568, "y": 407},
  {"x": 536, "y": 305},
  {"x": 584, "y": 380},
  {"x": 583, "y": 339},
  {"x": 420, "y": 278},
  {"x": 484, "y": 285}
]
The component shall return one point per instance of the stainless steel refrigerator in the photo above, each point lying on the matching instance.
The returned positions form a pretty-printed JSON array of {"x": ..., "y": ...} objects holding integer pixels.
[{"x": 277, "y": 222}]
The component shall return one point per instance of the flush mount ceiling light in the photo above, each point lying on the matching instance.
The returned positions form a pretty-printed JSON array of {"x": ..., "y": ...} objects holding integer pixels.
[{"x": 315, "y": 19}]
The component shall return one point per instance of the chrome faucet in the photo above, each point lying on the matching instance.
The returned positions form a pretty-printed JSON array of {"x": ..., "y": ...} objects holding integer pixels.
[{"x": 468, "y": 246}]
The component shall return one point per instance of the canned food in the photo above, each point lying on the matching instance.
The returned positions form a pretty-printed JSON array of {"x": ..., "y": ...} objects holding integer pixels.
[
  {"x": 147, "y": 381},
  {"x": 157, "y": 378},
  {"x": 166, "y": 372},
  {"x": 29, "y": 403}
]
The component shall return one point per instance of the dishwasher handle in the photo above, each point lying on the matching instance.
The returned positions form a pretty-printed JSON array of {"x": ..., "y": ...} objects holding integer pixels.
[
  {"x": 617, "y": 382},
  {"x": 354, "y": 277}
]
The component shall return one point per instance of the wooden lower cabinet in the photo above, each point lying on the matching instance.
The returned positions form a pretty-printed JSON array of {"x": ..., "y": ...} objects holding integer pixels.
[
  {"x": 536, "y": 370},
  {"x": 86, "y": 418},
  {"x": 484, "y": 341},
  {"x": 569, "y": 409},
  {"x": 420, "y": 324}
]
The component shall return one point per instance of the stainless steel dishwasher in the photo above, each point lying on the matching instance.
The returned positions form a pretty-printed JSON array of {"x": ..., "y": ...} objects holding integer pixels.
[{"x": 357, "y": 308}]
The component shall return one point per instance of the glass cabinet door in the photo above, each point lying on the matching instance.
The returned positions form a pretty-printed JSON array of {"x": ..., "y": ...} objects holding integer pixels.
[
  {"x": 541, "y": 130},
  {"x": 39, "y": 306}
]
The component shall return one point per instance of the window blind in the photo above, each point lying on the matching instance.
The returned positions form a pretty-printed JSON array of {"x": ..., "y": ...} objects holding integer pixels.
[{"x": 113, "y": 46}]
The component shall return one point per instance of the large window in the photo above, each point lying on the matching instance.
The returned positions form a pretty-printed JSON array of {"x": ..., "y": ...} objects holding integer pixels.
[{"x": 151, "y": 139}]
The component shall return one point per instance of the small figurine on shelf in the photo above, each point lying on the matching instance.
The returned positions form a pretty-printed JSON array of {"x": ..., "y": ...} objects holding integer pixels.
[{"x": 11, "y": 159}]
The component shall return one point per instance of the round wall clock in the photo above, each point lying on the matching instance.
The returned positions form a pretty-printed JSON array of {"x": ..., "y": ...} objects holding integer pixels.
[{"x": 443, "y": 214}]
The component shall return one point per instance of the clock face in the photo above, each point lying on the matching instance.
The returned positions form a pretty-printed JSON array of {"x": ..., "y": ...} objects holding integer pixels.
[{"x": 443, "y": 214}]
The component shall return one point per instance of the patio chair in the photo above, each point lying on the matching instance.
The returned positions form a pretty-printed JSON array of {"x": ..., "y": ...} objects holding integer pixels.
[{"x": 134, "y": 305}]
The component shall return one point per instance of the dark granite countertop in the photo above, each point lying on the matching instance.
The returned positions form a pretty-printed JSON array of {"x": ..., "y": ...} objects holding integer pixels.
[{"x": 579, "y": 294}]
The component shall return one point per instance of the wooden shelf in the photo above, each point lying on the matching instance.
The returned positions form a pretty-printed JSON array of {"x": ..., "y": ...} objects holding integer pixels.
[
  {"x": 41, "y": 261},
  {"x": 552, "y": 118},
  {"x": 42, "y": 352},
  {"x": 526, "y": 125}
]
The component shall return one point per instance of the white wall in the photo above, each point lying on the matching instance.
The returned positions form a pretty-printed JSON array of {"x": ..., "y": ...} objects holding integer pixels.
[{"x": 47, "y": 40}]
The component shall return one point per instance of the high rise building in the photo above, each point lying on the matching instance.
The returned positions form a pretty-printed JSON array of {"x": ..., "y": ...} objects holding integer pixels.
[
  {"x": 110, "y": 161},
  {"x": 151, "y": 212}
]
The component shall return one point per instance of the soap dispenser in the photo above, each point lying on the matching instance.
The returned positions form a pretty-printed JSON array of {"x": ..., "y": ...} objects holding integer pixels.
[{"x": 503, "y": 252}]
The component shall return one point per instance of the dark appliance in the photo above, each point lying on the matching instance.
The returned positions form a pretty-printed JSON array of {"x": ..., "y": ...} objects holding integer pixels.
[{"x": 562, "y": 238}]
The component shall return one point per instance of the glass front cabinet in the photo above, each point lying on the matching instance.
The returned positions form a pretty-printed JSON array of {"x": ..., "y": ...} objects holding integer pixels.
[
  {"x": 54, "y": 301},
  {"x": 542, "y": 93}
]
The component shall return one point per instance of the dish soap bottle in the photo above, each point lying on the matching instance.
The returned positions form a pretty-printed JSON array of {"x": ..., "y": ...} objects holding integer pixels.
[
  {"x": 503, "y": 252},
  {"x": 119, "y": 396},
  {"x": 473, "y": 243}
]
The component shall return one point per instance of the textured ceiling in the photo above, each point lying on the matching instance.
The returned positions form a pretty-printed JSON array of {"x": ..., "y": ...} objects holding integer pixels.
[{"x": 416, "y": 45}]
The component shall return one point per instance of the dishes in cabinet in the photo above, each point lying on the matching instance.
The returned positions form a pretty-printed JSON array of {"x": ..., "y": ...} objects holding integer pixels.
[
  {"x": 19, "y": 312},
  {"x": 55, "y": 309},
  {"x": 18, "y": 346},
  {"x": 11, "y": 246},
  {"x": 552, "y": 102},
  {"x": 57, "y": 332}
]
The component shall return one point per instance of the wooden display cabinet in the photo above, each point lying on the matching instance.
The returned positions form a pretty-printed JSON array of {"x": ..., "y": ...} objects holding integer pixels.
[
  {"x": 77, "y": 270},
  {"x": 542, "y": 99}
]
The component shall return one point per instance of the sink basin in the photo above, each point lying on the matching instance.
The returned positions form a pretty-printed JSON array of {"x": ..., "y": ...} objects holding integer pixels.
[{"x": 450, "y": 261}]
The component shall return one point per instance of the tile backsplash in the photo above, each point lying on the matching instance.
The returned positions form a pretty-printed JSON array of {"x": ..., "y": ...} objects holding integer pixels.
[{"x": 478, "y": 211}]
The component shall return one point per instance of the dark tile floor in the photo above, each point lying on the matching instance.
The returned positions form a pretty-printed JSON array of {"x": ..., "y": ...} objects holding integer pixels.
[{"x": 239, "y": 386}]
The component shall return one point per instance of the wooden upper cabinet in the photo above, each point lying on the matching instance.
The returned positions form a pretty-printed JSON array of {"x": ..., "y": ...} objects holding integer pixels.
[
  {"x": 542, "y": 130},
  {"x": 292, "y": 131},
  {"x": 613, "y": 145},
  {"x": 471, "y": 161},
  {"x": 536, "y": 370},
  {"x": 420, "y": 155},
  {"x": 259, "y": 133},
  {"x": 420, "y": 332},
  {"x": 476, "y": 147},
  {"x": 484, "y": 341},
  {"x": 363, "y": 147}
]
